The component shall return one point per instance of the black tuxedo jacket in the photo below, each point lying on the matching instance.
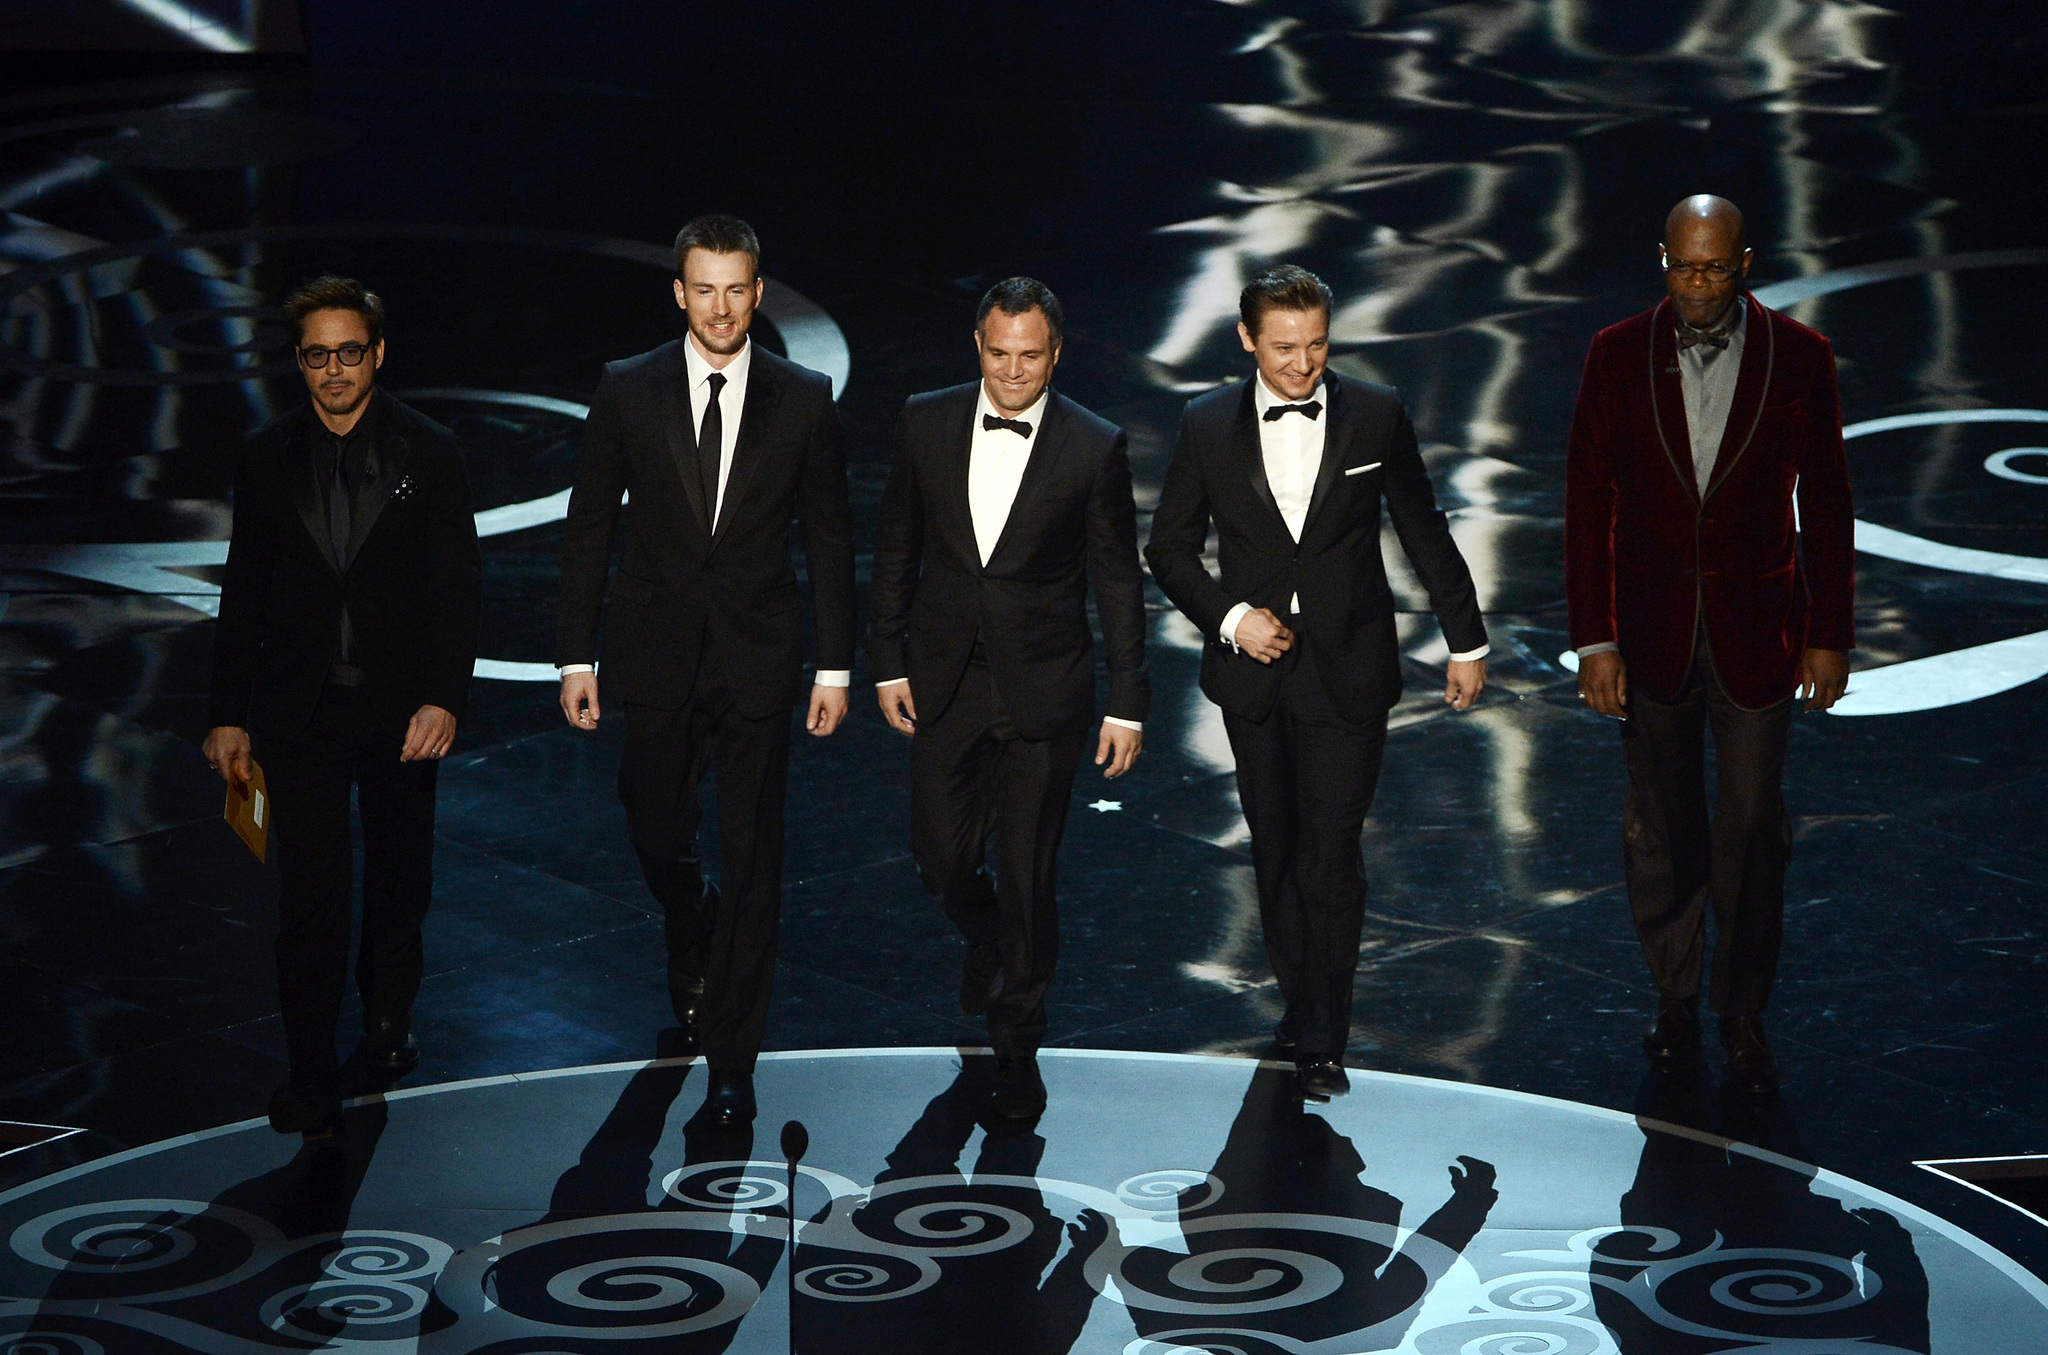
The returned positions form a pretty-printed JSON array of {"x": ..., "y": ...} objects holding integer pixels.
[
  {"x": 1346, "y": 627},
  {"x": 681, "y": 590},
  {"x": 1073, "y": 521},
  {"x": 412, "y": 578}
]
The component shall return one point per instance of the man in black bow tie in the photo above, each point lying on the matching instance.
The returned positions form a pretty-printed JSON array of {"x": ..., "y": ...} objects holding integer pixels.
[
  {"x": 1301, "y": 650},
  {"x": 1005, "y": 500},
  {"x": 347, "y": 632}
]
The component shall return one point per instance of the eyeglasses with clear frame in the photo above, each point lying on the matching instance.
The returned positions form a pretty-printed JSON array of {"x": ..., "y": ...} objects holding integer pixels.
[{"x": 351, "y": 355}]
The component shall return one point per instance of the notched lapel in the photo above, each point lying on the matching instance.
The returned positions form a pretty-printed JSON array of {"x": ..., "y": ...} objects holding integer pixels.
[
  {"x": 1667, "y": 398},
  {"x": 1046, "y": 449},
  {"x": 757, "y": 409},
  {"x": 681, "y": 435},
  {"x": 957, "y": 455},
  {"x": 1337, "y": 435}
]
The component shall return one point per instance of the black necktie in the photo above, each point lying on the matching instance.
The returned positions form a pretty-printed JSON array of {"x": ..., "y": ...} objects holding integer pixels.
[
  {"x": 340, "y": 501},
  {"x": 1310, "y": 409},
  {"x": 1688, "y": 336},
  {"x": 711, "y": 447},
  {"x": 990, "y": 423}
]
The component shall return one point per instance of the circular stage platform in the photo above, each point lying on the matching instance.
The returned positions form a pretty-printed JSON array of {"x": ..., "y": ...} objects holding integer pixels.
[{"x": 1164, "y": 1203}]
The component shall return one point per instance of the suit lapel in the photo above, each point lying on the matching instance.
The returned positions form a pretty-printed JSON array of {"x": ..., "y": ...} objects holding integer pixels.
[
  {"x": 1752, "y": 383},
  {"x": 1251, "y": 456},
  {"x": 959, "y": 455},
  {"x": 388, "y": 450},
  {"x": 1045, "y": 454},
  {"x": 681, "y": 434},
  {"x": 758, "y": 407},
  {"x": 303, "y": 475},
  {"x": 1667, "y": 398},
  {"x": 1336, "y": 437}
]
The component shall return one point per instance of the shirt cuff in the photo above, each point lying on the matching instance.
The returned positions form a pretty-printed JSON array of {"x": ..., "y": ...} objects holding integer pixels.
[
  {"x": 569, "y": 668},
  {"x": 1472, "y": 654},
  {"x": 833, "y": 677},
  {"x": 1606, "y": 647},
  {"x": 1228, "y": 632},
  {"x": 1123, "y": 724},
  {"x": 889, "y": 683}
]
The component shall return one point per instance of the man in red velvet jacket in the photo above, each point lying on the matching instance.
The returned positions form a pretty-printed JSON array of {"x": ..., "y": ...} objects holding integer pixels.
[{"x": 1699, "y": 596}]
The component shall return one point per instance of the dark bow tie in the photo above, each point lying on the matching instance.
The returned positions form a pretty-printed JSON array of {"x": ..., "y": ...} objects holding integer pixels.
[
  {"x": 1308, "y": 408},
  {"x": 1688, "y": 336},
  {"x": 990, "y": 423}
]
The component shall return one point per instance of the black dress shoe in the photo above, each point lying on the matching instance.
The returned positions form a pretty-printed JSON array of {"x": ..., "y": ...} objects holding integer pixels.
[
  {"x": 314, "y": 1112},
  {"x": 1752, "y": 1068},
  {"x": 730, "y": 1099},
  {"x": 686, "y": 1000},
  {"x": 1674, "y": 1036},
  {"x": 1020, "y": 1091},
  {"x": 978, "y": 978},
  {"x": 1287, "y": 1031},
  {"x": 390, "y": 1047},
  {"x": 1321, "y": 1080}
]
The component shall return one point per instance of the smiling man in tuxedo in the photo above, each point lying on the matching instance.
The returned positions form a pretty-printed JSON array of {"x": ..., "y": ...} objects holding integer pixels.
[
  {"x": 1710, "y": 572},
  {"x": 1300, "y": 648},
  {"x": 721, "y": 445},
  {"x": 1006, "y": 500}
]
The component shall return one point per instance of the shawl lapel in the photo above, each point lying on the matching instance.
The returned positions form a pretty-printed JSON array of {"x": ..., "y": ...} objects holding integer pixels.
[
  {"x": 958, "y": 455},
  {"x": 386, "y": 453},
  {"x": 303, "y": 476},
  {"x": 1667, "y": 399},
  {"x": 1752, "y": 384}
]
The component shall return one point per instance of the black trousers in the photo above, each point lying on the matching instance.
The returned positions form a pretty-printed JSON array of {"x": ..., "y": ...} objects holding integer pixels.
[
  {"x": 1678, "y": 862},
  {"x": 1305, "y": 776},
  {"x": 347, "y": 746},
  {"x": 725, "y": 938},
  {"x": 971, "y": 775}
]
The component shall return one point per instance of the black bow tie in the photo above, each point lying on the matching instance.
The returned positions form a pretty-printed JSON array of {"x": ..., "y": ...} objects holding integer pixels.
[
  {"x": 1688, "y": 336},
  {"x": 990, "y": 423},
  {"x": 1308, "y": 408}
]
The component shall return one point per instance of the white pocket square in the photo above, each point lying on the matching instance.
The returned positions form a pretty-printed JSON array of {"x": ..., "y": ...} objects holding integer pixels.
[{"x": 1360, "y": 470}]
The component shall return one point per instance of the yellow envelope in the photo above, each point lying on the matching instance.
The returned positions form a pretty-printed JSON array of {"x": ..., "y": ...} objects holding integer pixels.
[{"x": 248, "y": 811}]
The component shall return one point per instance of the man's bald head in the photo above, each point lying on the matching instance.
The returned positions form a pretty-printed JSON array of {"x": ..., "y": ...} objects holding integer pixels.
[
  {"x": 1706, "y": 258},
  {"x": 1702, "y": 215}
]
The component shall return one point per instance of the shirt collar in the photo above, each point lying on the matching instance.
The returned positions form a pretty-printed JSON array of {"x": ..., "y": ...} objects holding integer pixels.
[
  {"x": 734, "y": 371},
  {"x": 1731, "y": 324},
  {"x": 1264, "y": 397},
  {"x": 1033, "y": 416},
  {"x": 361, "y": 423}
]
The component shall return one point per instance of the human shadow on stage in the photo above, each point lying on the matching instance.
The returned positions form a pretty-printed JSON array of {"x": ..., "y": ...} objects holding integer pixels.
[
  {"x": 271, "y": 1257},
  {"x": 604, "y": 1265},
  {"x": 1288, "y": 1248},
  {"x": 1721, "y": 1248},
  {"x": 938, "y": 1259}
]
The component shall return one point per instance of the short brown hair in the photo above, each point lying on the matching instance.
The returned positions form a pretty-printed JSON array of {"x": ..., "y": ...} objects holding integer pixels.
[
  {"x": 1021, "y": 296},
  {"x": 720, "y": 235},
  {"x": 330, "y": 293},
  {"x": 1283, "y": 287}
]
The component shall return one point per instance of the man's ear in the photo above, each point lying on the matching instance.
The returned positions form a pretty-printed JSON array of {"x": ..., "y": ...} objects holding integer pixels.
[
  {"x": 380, "y": 355},
  {"x": 679, "y": 296},
  {"x": 1244, "y": 336}
]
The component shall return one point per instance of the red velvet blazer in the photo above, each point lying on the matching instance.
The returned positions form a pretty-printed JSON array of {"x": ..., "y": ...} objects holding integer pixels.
[{"x": 1645, "y": 552}]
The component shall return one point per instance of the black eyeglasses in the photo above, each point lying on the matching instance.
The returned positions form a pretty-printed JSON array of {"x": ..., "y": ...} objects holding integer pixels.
[
  {"x": 1712, "y": 272},
  {"x": 351, "y": 355}
]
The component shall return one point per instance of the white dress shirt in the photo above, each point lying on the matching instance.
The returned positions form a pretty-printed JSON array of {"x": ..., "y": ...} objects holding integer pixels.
[
  {"x": 732, "y": 403},
  {"x": 996, "y": 458},
  {"x": 1292, "y": 448}
]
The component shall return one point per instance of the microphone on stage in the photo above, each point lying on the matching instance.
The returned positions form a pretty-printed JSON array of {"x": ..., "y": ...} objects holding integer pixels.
[{"x": 796, "y": 1140}]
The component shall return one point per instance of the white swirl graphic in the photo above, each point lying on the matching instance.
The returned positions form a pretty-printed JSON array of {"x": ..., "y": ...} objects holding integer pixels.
[
  {"x": 1163, "y": 1192},
  {"x": 318, "y": 1312},
  {"x": 36, "y": 1342}
]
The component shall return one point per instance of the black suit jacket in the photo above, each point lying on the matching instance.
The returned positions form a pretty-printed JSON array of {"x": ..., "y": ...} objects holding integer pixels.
[
  {"x": 1346, "y": 628},
  {"x": 412, "y": 579},
  {"x": 1073, "y": 520},
  {"x": 682, "y": 590}
]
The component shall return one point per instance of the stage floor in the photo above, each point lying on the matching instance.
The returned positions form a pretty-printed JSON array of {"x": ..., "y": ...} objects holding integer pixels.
[
  {"x": 1164, "y": 1203},
  {"x": 1483, "y": 186}
]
